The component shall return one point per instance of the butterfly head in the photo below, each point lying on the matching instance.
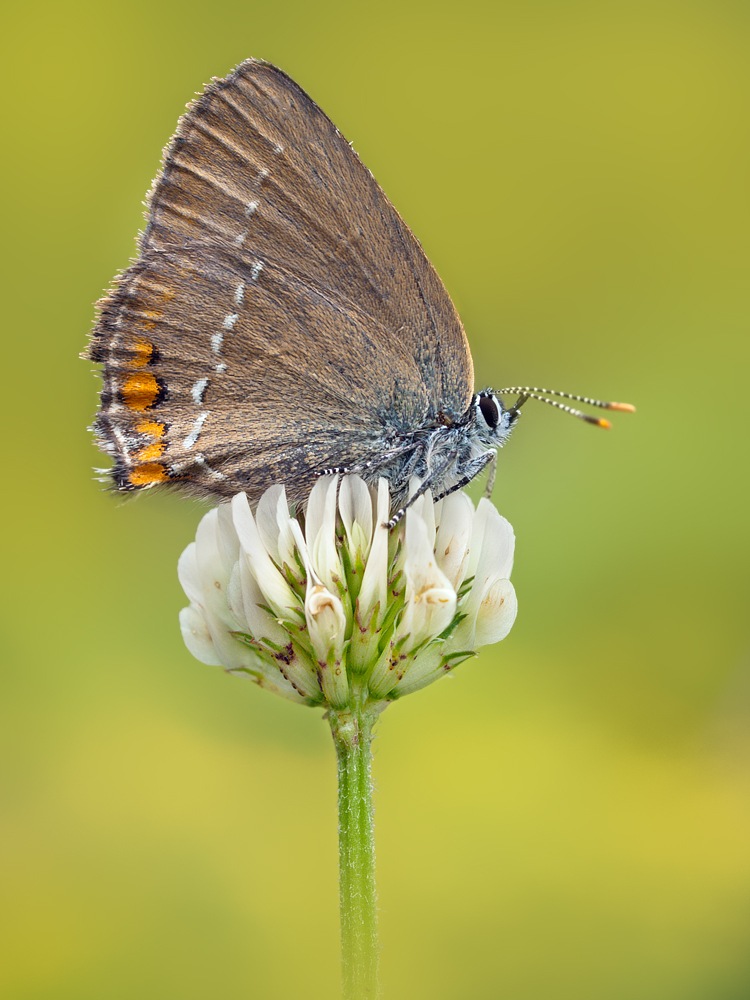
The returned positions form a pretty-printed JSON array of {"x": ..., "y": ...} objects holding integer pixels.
[{"x": 493, "y": 421}]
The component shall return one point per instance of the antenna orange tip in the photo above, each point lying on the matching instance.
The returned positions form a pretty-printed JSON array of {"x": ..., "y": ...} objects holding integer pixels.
[
  {"x": 604, "y": 423},
  {"x": 625, "y": 407}
]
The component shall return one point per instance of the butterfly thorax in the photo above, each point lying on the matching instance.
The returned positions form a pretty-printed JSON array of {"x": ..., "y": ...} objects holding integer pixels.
[{"x": 444, "y": 456}]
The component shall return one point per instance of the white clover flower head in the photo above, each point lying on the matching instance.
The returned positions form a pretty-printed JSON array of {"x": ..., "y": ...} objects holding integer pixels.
[{"x": 336, "y": 606}]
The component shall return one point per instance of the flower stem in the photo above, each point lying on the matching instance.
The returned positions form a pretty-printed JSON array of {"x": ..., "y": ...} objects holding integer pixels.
[{"x": 352, "y": 736}]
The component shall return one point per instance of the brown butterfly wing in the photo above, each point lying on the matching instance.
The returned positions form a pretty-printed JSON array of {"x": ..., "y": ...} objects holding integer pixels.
[{"x": 342, "y": 333}]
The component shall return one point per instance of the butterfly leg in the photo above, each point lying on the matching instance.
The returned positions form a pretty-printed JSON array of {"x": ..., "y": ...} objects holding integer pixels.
[
  {"x": 376, "y": 463},
  {"x": 491, "y": 477},
  {"x": 473, "y": 469},
  {"x": 436, "y": 474}
]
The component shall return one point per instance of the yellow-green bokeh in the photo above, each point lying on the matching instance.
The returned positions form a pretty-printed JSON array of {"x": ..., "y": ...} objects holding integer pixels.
[{"x": 568, "y": 816}]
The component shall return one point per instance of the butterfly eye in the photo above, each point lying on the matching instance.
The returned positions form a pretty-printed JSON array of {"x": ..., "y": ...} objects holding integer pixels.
[{"x": 489, "y": 409}]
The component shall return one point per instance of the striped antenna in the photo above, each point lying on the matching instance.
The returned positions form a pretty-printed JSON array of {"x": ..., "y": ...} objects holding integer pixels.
[{"x": 531, "y": 392}]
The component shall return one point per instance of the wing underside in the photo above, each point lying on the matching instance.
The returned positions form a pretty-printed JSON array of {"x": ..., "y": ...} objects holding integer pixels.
[{"x": 281, "y": 317}]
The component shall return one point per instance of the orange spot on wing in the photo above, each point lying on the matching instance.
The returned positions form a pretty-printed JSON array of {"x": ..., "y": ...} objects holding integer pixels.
[
  {"x": 140, "y": 391},
  {"x": 150, "y": 452},
  {"x": 143, "y": 351},
  {"x": 151, "y": 427},
  {"x": 152, "y": 472}
]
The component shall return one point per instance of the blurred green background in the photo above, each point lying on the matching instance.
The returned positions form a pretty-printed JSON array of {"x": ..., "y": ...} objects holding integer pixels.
[{"x": 569, "y": 815}]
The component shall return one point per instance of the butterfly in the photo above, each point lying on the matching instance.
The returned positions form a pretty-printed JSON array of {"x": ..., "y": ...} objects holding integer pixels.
[{"x": 282, "y": 322}]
